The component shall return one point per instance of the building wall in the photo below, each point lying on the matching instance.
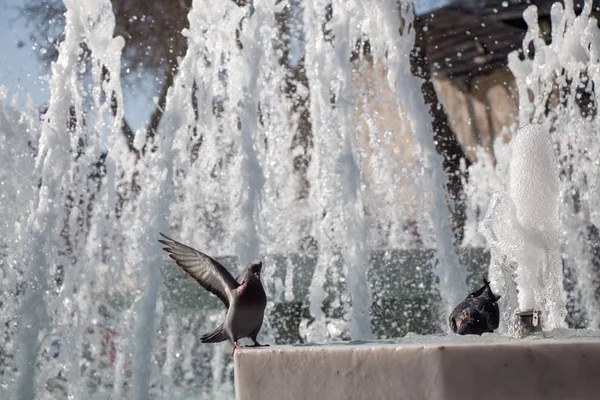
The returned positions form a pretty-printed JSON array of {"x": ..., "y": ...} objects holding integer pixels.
[{"x": 477, "y": 114}]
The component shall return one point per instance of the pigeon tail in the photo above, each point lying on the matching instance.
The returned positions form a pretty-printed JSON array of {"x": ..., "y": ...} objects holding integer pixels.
[
  {"x": 487, "y": 286},
  {"x": 218, "y": 335}
]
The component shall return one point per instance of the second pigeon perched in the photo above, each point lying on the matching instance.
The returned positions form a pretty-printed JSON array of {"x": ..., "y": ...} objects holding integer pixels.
[
  {"x": 478, "y": 313},
  {"x": 244, "y": 297}
]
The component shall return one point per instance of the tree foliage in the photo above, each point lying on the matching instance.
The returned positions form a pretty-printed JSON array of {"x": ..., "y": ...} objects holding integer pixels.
[
  {"x": 151, "y": 29},
  {"x": 153, "y": 42}
]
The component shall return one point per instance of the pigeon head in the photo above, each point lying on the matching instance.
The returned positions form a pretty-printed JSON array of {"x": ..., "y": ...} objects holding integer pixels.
[
  {"x": 467, "y": 327},
  {"x": 254, "y": 268},
  {"x": 468, "y": 323}
]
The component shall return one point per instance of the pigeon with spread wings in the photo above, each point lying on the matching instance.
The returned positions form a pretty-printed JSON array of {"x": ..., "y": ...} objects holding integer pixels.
[{"x": 244, "y": 298}]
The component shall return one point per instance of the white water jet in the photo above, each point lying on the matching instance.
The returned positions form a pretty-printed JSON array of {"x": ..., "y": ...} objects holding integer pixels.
[
  {"x": 574, "y": 52},
  {"x": 57, "y": 227},
  {"x": 556, "y": 82},
  {"x": 534, "y": 191},
  {"x": 522, "y": 229},
  {"x": 341, "y": 231},
  {"x": 213, "y": 183},
  {"x": 411, "y": 104}
]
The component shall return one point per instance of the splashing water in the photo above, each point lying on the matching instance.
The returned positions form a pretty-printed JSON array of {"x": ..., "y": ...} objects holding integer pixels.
[
  {"x": 521, "y": 228},
  {"x": 556, "y": 84},
  {"x": 339, "y": 204}
]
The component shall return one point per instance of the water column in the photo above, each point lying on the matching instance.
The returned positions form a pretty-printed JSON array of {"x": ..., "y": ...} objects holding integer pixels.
[
  {"x": 57, "y": 227},
  {"x": 567, "y": 69},
  {"x": 394, "y": 51},
  {"x": 18, "y": 143},
  {"x": 317, "y": 70},
  {"x": 92, "y": 227},
  {"x": 534, "y": 191},
  {"x": 243, "y": 94},
  {"x": 278, "y": 214},
  {"x": 201, "y": 150},
  {"x": 203, "y": 180},
  {"x": 521, "y": 227},
  {"x": 52, "y": 164},
  {"x": 345, "y": 20},
  {"x": 156, "y": 200},
  {"x": 230, "y": 149},
  {"x": 340, "y": 225},
  {"x": 204, "y": 151}
]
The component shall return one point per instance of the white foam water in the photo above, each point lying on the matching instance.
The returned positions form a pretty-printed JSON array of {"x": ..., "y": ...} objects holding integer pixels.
[
  {"x": 521, "y": 227},
  {"x": 555, "y": 82}
]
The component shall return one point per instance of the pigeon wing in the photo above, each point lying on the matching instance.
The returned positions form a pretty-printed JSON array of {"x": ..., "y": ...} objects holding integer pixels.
[
  {"x": 240, "y": 277},
  {"x": 492, "y": 316},
  {"x": 209, "y": 273}
]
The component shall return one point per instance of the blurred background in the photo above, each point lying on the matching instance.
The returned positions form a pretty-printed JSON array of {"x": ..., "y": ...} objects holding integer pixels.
[{"x": 463, "y": 44}]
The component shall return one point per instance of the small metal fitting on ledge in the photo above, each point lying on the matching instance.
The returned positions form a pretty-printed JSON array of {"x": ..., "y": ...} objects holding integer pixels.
[{"x": 528, "y": 322}]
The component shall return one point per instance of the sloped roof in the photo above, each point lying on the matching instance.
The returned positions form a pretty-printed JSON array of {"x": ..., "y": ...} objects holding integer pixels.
[{"x": 468, "y": 37}]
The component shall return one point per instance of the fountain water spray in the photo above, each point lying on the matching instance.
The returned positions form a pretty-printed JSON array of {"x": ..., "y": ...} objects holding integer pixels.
[
  {"x": 521, "y": 228},
  {"x": 94, "y": 319},
  {"x": 565, "y": 73},
  {"x": 220, "y": 175},
  {"x": 556, "y": 82}
]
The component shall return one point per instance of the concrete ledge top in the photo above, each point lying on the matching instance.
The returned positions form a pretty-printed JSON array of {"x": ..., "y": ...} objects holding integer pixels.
[
  {"x": 453, "y": 368},
  {"x": 371, "y": 346}
]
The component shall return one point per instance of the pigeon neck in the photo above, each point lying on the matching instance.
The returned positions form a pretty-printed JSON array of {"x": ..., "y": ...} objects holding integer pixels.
[{"x": 240, "y": 289}]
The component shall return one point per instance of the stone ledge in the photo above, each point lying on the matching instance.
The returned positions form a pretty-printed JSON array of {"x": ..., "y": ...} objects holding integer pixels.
[{"x": 531, "y": 370}]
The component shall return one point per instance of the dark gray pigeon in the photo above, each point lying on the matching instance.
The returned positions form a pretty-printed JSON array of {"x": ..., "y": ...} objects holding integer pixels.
[
  {"x": 477, "y": 314},
  {"x": 244, "y": 297}
]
